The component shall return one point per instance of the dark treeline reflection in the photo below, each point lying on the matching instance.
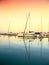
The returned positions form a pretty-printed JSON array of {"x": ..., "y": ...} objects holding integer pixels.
[{"x": 18, "y": 51}]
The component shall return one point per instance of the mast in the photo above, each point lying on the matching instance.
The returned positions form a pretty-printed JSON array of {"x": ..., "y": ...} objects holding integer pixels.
[
  {"x": 41, "y": 25},
  {"x": 9, "y": 27},
  {"x": 27, "y": 22},
  {"x": 48, "y": 26},
  {"x": 38, "y": 27}
]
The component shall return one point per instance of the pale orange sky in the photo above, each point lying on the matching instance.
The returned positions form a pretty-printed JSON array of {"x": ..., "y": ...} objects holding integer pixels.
[{"x": 15, "y": 11}]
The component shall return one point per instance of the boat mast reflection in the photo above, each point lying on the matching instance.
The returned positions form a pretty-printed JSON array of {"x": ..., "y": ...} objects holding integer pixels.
[
  {"x": 9, "y": 41},
  {"x": 48, "y": 42},
  {"x": 27, "y": 48},
  {"x": 41, "y": 46}
]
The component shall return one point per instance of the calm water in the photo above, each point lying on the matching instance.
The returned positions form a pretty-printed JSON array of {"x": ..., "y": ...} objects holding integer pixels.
[{"x": 14, "y": 51}]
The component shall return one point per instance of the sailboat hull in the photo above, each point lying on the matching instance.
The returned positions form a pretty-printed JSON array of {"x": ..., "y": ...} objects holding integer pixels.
[{"x": 27, "y": 35}]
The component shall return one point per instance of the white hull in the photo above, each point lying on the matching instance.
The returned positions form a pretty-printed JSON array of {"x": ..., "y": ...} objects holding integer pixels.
[{"x": 29, "y": 35}]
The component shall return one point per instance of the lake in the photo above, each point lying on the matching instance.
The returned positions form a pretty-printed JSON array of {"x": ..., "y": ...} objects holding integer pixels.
[{"x": 18, "y": 51}]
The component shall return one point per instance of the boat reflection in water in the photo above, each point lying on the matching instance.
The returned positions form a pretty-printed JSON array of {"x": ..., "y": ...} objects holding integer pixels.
[{"x": 18, "y": 51}]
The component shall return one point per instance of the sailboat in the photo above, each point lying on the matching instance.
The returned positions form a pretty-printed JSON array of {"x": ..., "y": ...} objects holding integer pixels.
[
  {"x": 47, "y": 34},
  {"x": 30, "y": 34},
  {"x": 10, "y": 33}
]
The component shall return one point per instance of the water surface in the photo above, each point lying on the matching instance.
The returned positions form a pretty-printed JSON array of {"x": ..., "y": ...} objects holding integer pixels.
[{"x": 18, "y": 51}]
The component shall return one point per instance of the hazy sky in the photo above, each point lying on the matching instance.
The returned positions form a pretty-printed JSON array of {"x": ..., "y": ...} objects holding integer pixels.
[{"x": 15, "y": 12}]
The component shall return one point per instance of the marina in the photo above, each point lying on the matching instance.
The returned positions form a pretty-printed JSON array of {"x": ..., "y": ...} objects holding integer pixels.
[
  {"x": 27, "y": 34},
  {"x": 24, "y": 32}
]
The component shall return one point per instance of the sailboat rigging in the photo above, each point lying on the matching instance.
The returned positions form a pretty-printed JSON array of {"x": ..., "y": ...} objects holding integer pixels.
[
  {"x": 29, "y": 34},
  {"x": 26, "y": 22}
]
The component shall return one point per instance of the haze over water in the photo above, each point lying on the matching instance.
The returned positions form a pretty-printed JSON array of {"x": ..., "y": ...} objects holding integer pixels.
[{"x": 17, "y": 51}]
